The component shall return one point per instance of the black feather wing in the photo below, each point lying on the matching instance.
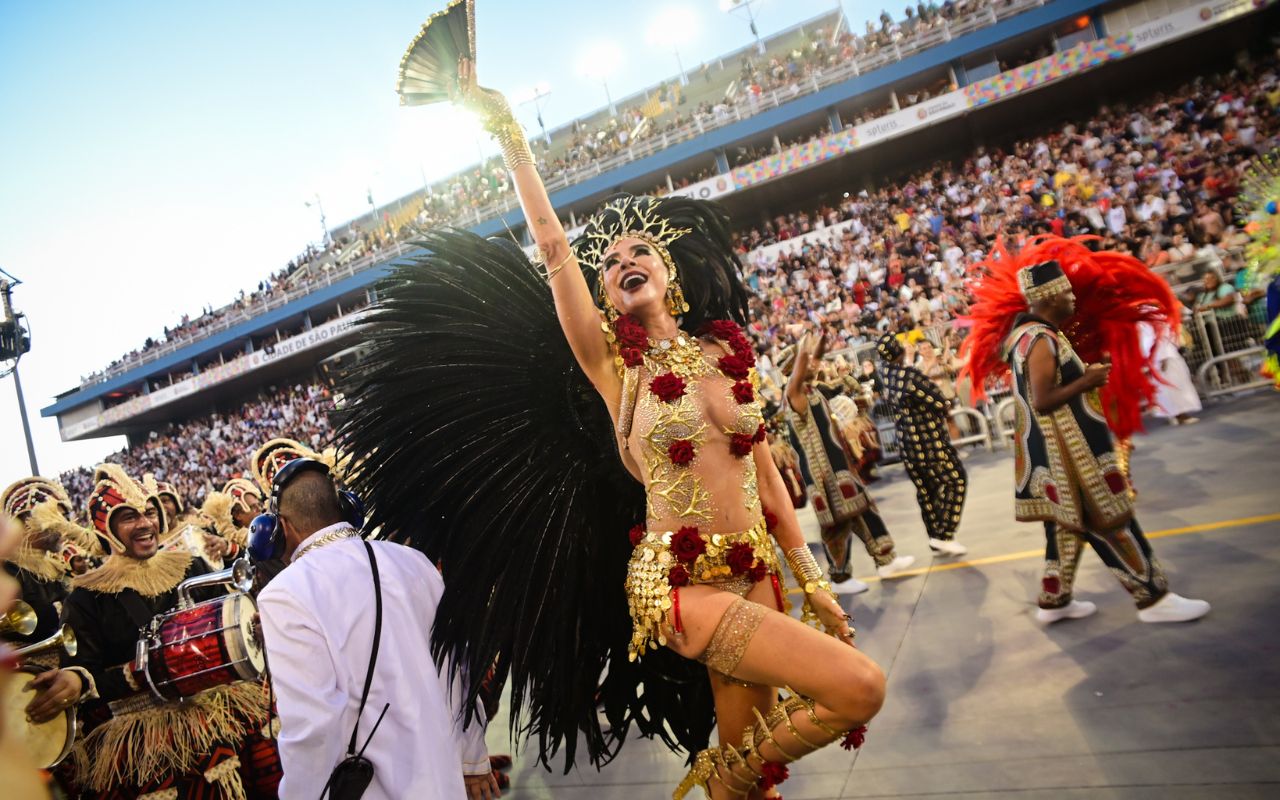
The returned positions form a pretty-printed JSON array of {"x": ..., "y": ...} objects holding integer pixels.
[{"x": 481, "y": 442}]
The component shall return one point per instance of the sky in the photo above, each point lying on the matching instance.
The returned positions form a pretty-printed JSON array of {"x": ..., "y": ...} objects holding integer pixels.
[{"x": 157, "y": 157}]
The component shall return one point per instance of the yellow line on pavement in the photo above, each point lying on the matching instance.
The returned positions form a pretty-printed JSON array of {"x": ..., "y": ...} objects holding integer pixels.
[{"x": 978, "y": 562}]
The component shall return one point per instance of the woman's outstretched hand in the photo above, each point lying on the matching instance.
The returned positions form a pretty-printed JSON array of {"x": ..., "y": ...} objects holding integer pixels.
[{"x": 831, "y": 615}]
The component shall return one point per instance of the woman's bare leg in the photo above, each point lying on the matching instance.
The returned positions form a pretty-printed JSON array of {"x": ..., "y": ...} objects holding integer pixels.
[{"x": 846, "y": 687}]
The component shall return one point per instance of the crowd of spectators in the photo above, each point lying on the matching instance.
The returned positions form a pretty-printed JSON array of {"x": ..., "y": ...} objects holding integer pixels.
[
  {"x": 207, "y": 451},
  {"x": 465, "y": 198},
  {"x": 1157, "y": 179}
]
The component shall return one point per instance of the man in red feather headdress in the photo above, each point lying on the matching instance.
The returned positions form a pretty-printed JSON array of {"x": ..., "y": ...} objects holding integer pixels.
[{"x": 1065, "y": 467}]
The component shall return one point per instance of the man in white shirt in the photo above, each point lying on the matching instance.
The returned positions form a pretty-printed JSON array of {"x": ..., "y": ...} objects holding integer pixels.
[{"x": 318, "y": 624}]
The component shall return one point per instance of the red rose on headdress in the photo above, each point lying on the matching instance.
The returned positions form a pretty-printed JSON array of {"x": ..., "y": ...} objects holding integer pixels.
[
  {"x": 770, "y": 520},
  {"x": 630, "y": 333},
  {"x": 678, "y": 576},
  {"x": 740, "y": 558},
  {"x": 636, "y": 534},
  {"x": 772, "y": 774},
  {"x": 687, "y": 545},
  {"x": 854, "y": 739},
  {"x": 740, "y": 444},
  {"x": 758, "y": 572},
  {"x": 668, "y": 387},
  {"x": 760, "y": 434},
  {"x": 735, "y": 366},
  {"x": 744, "y": 392},
  {"x": 681, "y": 452},
  {"x": 632, "y": 356}
]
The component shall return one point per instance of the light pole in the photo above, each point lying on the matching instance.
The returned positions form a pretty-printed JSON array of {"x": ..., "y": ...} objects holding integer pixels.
[
  {"x": 323, "y": 224},
  {"x": 672, "y": 27},
  {"x": 14, "y": 341},
  {"x": 599, "y": 63},
  {"x": 540, "y": 92},
  {"x": 729, "y": 6}
]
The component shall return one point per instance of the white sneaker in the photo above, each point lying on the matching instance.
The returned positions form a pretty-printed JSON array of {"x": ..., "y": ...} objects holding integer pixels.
[
  {"x": 1076, "y": 609},
  {"x": 948, "y": 547},
  {"x": 895, "y": 566},
  {"x": 849, "y": 586},
  {"x": 1174, "y": 608}
]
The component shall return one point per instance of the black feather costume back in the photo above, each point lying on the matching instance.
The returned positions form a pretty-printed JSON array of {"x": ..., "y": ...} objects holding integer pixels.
[{"x": 481, "y": 442}]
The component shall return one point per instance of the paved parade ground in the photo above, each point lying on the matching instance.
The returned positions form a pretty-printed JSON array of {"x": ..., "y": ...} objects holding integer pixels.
[{"x": 985, "y": 702}]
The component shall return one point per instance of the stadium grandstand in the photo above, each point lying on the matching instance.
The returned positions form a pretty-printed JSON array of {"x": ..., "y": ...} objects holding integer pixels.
[{"x": 864, "y": 163}]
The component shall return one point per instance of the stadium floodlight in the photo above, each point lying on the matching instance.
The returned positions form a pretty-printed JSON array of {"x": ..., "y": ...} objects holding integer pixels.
[
  {"x": 672, "y": 27},
  {"x": 730, "y": 6},
  {"x": 324, "y": 225},
  {"x": 535, "y": 95},
  {"x": 15, "y": 340},
  {"x": 600, "y": 62}
]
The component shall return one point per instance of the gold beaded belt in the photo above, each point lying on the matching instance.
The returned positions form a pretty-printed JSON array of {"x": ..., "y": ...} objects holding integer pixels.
[{"x": 664, "y": 560}]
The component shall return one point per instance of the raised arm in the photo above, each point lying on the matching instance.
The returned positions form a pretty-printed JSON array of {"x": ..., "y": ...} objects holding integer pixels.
[{"x": 579, "y": 317}]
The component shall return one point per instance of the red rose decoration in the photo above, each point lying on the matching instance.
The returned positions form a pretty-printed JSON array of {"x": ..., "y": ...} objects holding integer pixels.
[
  {"x": 760, "y": 435},
  {"x": 735, "y": 366},
  {"x": 740, "y": 444},
  {"x": 740, "y": 558},
  {"x": 687, "y": 545},
  {"x": 744, "y": 392},
  {"x": 681, "y": 452},
  {"x": 668, "y": 388},
  {"x": 632, "y": 356},
  {"x": 636, "y": 534},
  {"x": 770, "y": 520},
  {"x": 772, "y": 774},
  {"x": 758, "y": 572},
  {"x": 854, "y": 739},
  {"x": 630, "y": 333},
  {"x": 678, "y": 576},
  {"x": 722, "y": 329}
]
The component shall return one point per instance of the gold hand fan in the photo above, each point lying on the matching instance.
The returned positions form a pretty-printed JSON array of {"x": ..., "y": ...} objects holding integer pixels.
[{"x": 429, "y": 68}]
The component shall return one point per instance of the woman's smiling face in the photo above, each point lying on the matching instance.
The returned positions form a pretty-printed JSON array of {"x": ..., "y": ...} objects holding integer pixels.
[{"x": 635, "y": 275}]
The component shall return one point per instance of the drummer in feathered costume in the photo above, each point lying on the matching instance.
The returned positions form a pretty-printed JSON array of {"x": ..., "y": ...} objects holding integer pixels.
[
  {"x": 1044, "y": 312},
  {"x": 43, "y": 510},
  {"x": 505, "y": 454},
  {"x": 211, "y": 745}
]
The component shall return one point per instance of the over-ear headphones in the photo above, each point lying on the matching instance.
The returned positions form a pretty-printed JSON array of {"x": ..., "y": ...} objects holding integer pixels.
[{"x": 266, "y": 533}]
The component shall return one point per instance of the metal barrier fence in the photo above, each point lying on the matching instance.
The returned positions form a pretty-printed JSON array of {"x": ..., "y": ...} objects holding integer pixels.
[{"x": 1225, "y": 352}]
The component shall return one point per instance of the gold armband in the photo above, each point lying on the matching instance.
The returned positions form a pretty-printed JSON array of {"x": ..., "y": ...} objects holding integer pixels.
[
  {"x": 809, "y": 575},
  {"x": 495, "y": 114}
]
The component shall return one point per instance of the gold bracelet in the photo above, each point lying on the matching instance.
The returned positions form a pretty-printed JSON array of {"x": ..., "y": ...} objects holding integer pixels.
[
  {"x": 551, "y": 273},
  {"x": 809, "y": 575}
]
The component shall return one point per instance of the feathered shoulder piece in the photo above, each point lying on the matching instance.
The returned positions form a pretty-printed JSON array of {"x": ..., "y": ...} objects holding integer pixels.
[
  {"x": 1114, "y": 292},
  {"x": 481, "y": 443}
]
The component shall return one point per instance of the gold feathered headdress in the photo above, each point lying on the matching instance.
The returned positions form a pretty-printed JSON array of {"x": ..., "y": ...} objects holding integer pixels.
[{"x": 113, "y": 490}]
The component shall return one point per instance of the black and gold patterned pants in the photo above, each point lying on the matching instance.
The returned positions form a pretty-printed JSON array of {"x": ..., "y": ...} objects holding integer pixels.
[
  {"x": 941, "y": 483},
  {"x": 1126, "y": 552},
  {"x": 870, "y": 528}
]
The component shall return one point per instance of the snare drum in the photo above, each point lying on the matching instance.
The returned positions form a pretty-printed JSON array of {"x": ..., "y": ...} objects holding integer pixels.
[
  {"x": 48, "y": 742},
  {"x": 206, "y": 645}
]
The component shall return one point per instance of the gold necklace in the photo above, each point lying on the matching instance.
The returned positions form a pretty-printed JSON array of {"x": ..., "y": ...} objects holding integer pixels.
[{"x": 681, "y": 355}]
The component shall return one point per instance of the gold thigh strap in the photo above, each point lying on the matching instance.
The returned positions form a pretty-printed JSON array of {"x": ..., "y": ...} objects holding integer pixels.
[{"x": 732, "y": 635}]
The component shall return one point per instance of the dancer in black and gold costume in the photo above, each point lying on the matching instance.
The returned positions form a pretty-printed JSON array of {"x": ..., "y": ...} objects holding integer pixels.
[
  {"x": 840, "y": 500},
  {"x": 508, "y": 418},
  {"x": 921, "y": 414},
  {"x": 1065, "y": 467}
]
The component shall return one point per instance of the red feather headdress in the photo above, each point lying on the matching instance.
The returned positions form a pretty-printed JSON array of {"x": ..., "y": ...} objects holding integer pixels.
[{"x": 1114, "y": 292}]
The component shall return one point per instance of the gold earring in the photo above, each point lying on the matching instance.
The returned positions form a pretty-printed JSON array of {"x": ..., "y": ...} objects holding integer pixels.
[{"x": 676, "y": 304}]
